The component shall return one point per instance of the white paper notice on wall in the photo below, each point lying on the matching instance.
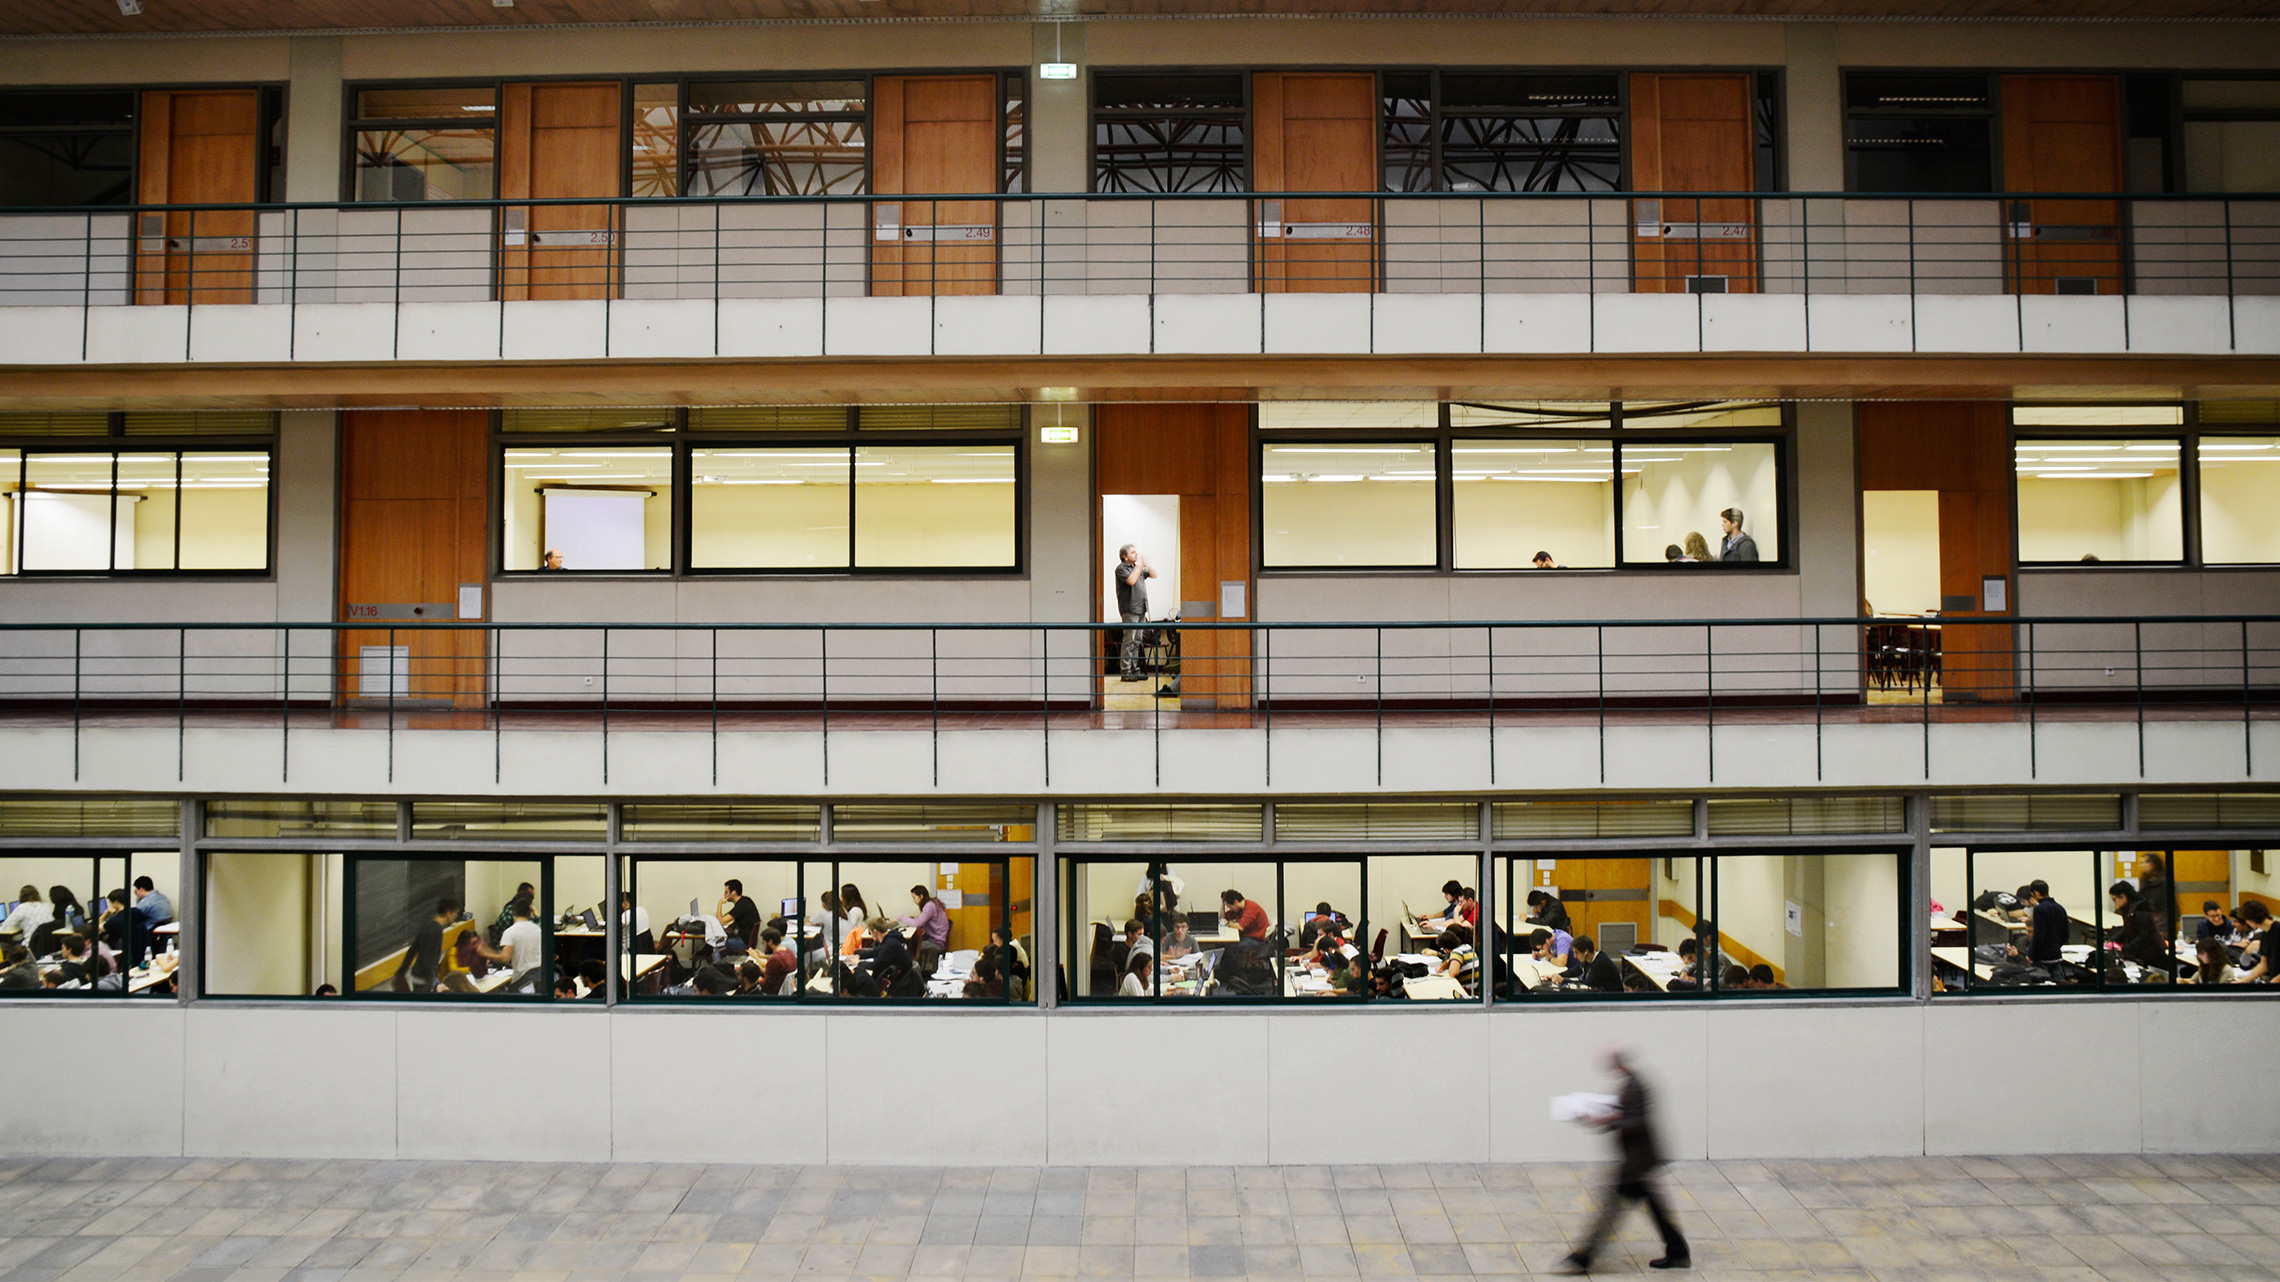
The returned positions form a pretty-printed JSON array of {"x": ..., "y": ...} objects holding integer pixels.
[
  {"x": 470, "y": 600},
  {"x": 1793, "y": 917},
  {"x": 1233, "y": 599},
  {"x": 1994, "y": 595},
  {"x": 951, "y": 898}
]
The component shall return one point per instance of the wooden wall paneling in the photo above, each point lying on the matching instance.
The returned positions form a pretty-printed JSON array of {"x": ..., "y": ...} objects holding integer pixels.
[
  {"x": 560, "y": 142},
  {"x": 2063, "y": 133},
  {"x": 934, "y": 135},
  {"x": 1317, "y": 131},
  {"x": 415, "y": 503},
  {"x": 194, "y": 147},
  {"x": 1693, "y": 132}
]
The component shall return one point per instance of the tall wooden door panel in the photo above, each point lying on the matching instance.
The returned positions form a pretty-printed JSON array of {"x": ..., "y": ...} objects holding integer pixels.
[
  {"x": 2063, "y": 133},
  {"x": 1202, "y": 454},
  {"x": 1693, "y": 133},
  {"x": 1315, "y": 132},
  {"x": 1962, "y": 450},
  {"x": 413, "y": 520},
  {"x": 558, "y": 142},
  {"x": 197, "y": 147},
  {"x": 934, "y": 135}
]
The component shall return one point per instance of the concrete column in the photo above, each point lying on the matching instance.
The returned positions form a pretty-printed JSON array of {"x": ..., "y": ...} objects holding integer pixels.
[
  {"x": 307, "y": 479},
  {"x": 313, "y": 119},
  {"x": 1061, "y": 532},
  {"x": 1060, "y": 112},
  {"x": 1826, "y": 531},
  {"x": 1814, "y": 120}
]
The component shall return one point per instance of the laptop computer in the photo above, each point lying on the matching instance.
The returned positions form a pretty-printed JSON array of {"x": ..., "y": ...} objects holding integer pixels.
[
  {"x": 692, "y": 907},
  {"x": 592, "y": 922},
  {"x": 794, "y": 909}
]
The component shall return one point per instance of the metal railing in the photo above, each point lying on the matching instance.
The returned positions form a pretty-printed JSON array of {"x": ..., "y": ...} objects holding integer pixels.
[
  {"x": 1014, "y": 245},
  {"x": 833, "y": 680}
]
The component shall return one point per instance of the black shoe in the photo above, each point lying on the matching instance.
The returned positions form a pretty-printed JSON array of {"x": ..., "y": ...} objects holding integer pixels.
[
  {"x": 1576, "y": 1264},
  {"x": 1672, "y": 1262}
]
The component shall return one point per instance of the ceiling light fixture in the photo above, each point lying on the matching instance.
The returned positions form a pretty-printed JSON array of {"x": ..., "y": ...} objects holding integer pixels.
[{"x": 130, "y": 8}]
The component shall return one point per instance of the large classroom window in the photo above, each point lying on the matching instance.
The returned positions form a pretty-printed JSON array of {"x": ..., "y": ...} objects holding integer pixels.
[
  {"x": 79, "y": 504},
  {"x": 2117, "y": 495},
  {"x": 2007, "y": 920},
  {"x": 67, "y": 148},
  {"x": 1919, "y": 132},
  {"x": 1362, "y": 486},
  {"x": 1157, "y": 132},
  {"x": 425, "y": 143},
  {"x": 775, "y": 138},
  {"x": 1694, "y": 923},
  {"x": 2231, "y": 135},
  {"x": 1475, "y": 131},
  {"x": 574, "y": 509},
  {"x": 2239, "y": 485},
  {"x": 75, "y": 923}
]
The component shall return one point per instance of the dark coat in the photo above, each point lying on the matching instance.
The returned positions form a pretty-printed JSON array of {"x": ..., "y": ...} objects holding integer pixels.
[{"x": 1634, "y": 1130}]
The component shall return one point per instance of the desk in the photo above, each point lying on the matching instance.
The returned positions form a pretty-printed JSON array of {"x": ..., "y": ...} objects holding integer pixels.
[
  {"x": 170, "y": 928},
  {"x": 1420, "y": 936},
  {"x": 1960, "y": 958},
  {"x": 633, "y": 969},
  {"x": 1534, "y": 974},
  {"x": 160, "y": 970},
  {"x": 1658, "y": 969},
  {"x": 1434, "y": 988}
]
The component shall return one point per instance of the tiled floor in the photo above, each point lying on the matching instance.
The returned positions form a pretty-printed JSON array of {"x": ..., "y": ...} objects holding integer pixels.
[{"x": 1920, "y": 1218}]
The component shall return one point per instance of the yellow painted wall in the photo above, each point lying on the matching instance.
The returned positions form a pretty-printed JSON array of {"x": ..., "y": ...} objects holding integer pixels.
[{"x": 1900, "y": 550}]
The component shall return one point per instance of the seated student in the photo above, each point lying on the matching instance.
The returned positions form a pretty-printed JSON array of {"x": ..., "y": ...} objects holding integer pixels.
[
  {"x": 2139, "y": 934},
  {"x": 1136, "y": 942},
  {"x": 1460, "y": 961},
  {"x": 2212, "y": 964},
  {"x": 2258, "y": 964},
  {"x": 781, "y": 963},
  {"x": 1550, "y": 946},
  {"x": 1012, "y": 964},
  {"x": 929, "y": 927},
  {"x": 738, "y": 914},
  {"x": 519, "y": 946},
  {"x": 1468, "y": 909},
  {"x": 17, "y": 968},
  {"x": 1452, "y": 891},
  {"x": 1546, "y": 910},
  {"x": 985, "y": 981},
  {"x": 856, "y": 941},
  {"x": 748, "y": 979},
  {"x": 1139, "y": 977},
  {"x": 1351, "y": 974},
  {"x": 326, "y": 990},
  {"x": 593, "y": 978},
  {"x": 712, "y": 981},
  {"x": 1734, "y": 979},
  {"x": 1688, "y": 977},
  {"x": 1599, "y": 973},
  {"x": 890, "y": 959},
  {"x": 81, "y": 964},
  {"x": 1323, "y": 920},
  {"x": 32, "y": 912},
  {"x": 1761, "y": 976},
  {"x": 565, "y": 988},
  {"x": 2214, "y": 924},
  {"x": 156, "y": 909},
  {"x": 68, "y": 915},
  {"x": 1249, "y": 920},
  {"x": 1178, "y": 943}
]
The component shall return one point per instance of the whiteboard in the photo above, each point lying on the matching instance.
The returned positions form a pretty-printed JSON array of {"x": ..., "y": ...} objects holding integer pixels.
[
  {"x": 65, "y": 531},
  {"x": 596, "y": 529}
]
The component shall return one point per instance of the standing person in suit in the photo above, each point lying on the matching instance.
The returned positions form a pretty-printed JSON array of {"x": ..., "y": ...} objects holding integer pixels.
[
  {"x": 1632, "y": 1125},
  {"x": 1736, "y": 546}
]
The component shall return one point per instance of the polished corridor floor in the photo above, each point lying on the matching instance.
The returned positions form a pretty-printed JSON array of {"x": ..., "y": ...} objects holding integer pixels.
[{"x": 1883, "y": 1219}]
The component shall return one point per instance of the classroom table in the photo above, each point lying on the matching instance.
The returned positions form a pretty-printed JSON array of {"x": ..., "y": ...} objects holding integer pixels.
[
  {"x": 160, "y": 969},
  {"x": 1960, "y": 958},
  {"x": 1534, "y": 974},
  {"x": 1419, "y": 936},
  {"x": 632, "y": 969},
  {"x": 1656, "y": 968}
]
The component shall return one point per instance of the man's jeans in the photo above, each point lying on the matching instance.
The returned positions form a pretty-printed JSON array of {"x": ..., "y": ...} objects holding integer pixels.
[{"x": 1131, "y": 656}]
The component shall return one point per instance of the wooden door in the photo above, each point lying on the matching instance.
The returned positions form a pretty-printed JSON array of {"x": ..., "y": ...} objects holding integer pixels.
[
  {"x": 1961, "y": 449},
  {"x": 2196, "y": 877},
  {"x": 1613, "y": 890},
  {"x": 1315, "y": 131},
  {"x": 934, "y": 135},
  {"x": 2063, "y": 133},
  {"x": 197, "y": 147},
  {"x": 558, "y": 142},
  {"x": 414, "y": 506},
  {"x": 1201, "y": 453},
  {"x": 1693, "y": 133}
]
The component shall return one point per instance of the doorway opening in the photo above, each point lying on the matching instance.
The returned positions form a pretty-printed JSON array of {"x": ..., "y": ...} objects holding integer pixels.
[
  {"x": 1900, "y": 589},
  {"x": 1151, "y": 524}
]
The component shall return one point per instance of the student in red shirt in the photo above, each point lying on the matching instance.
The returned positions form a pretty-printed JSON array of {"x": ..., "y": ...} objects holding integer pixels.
[
  {"x": 781, "y": 962},
  {"x": 1248, "y": 919},
  {"x": 1468, "y": 908}
]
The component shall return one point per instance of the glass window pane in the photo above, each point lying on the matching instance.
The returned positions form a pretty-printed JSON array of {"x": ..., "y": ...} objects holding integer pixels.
[
  {"x": 1639, "y": 912},
  {"x": 1170, "y": 153},
  {"x": 509, "y": 821},
  {"x": 273, "y": 925},
  {"x": 1988, "y": 923},
  {"x": 1212, "y": 949},
  {"x": 584, "y": 420},
  {"x": 1920, "y": 153},
  {"x": 425, "y": 164},
  {"x": 1532, "y": 153},
  {"x": 2240, "y": 489},
  {"x": 225, "y": 511},
  {"x": 1348, "y": 503},
  {"x": 426, "y": 102},
  {"x": 1673, "y": 494},
  {"x": 424, "y": 927},
  {"x": 11, "y": 481},
  {"x": 2232, "y": 155},
  {"x": 705, "y": 919},
  {"x": 68, "y": 164},
  {"x": 1407, "y": 142},
  {"x": 657, "y": 140},
  {"x": 2110, "y": 500},
  {"x": 65, "y": 517},
  {"x": 1515, "y": 498},
  {"x": 769, "y": 509},
  {"x": 1320, "y": 416},
  {"x": 301, "y": 818},
  {"x": 775, "y": 97},
  {"x": 778, "y": 158},
  {"x": 1016, "y": 133},
  {"x": 1701, "y": 414},
  {"x": 769, "y": 418},
  {"x": 1809, "y": 921},
  {"x": 51, "y": 908},
  {"x": 601, "y": 509},
  {"x": 147, "y": 498},
  {"x": 2230, "y": 95},
  {"x": 928, "y": 506}
]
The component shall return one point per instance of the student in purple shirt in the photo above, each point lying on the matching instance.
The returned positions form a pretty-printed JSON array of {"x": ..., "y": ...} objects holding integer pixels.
[{"x": 932, "y": 926}]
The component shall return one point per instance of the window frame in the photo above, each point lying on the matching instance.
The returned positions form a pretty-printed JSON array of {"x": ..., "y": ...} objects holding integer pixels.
[
  {"x": 1438, "y": 114},
  {"x": 352, "y": 124},
  {"x": 1707, "y": 889},
  {"x": 1094, "y": 118},
  {"x": 125, "y": 854},
  {"x": 1992, "y": 113},
  {"x": 116, "y": 442},
  {"x": 2185, "y": 432},
  {"x": 1778, "y": 559}
]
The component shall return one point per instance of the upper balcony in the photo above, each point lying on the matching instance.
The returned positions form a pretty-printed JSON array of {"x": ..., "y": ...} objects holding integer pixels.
[{"x": 1078, "y": 285}]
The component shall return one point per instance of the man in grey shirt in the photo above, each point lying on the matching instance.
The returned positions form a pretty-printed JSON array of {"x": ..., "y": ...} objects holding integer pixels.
[{"x": 1131, "y": 575}]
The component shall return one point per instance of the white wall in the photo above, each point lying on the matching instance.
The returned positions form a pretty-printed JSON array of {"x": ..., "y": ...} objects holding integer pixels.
[
  {"x": 1900, "y": 550},
  {"x": 1151, "y": 523},
  {"x": 1773, "y": 1080}
]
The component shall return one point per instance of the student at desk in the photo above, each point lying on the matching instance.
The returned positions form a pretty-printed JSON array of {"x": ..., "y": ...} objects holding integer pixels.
[
  {"x": 2257, "y": 960},
  {"x": 565, "y": 988},
  {"x": 2047, "y": 926},
  {"x": 1136, "y": 941},
  {"x": 2211, "y": 963},
  {"x": 781, "y": 962},
  {"x": 2138, "y": 934},
  {"x": 2213, "y": 924},
  {"x": 17, "y": 969},
  {"x": 1599, "y": 973},
  {"x": 930, "y": 926},
  {"x": 986, "y": 981},
  {"x": 1323, "y": 921},
  {"x": 1139, "y": 974},
  {"x": 1452, "y": 891},
  {"x": 1460, "y": 961},
  {"x": 524, "y": 894},
  {"x": 633, "y": 925},
  {"x": 81, "y": 963},
  {"x": 1012, "y": 966},
  {"x": 1550, "y": 946},
  {"x": 156, "y": 908},
  {"x": 1249, "y": 920},
  {"x": 1351, "y": 974},
  {"x": 1178, "y": 943},
  {"x": 1546, "y": 910},
  {"x": 519, "y": 946},
  {"x": 738, "y": 914},
  {"x": 32, "y": 912},
  {"x": 67, "y": 914}
]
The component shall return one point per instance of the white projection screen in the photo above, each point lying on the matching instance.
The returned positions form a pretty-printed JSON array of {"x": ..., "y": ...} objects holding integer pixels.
[{"x": 596, "y": 529}]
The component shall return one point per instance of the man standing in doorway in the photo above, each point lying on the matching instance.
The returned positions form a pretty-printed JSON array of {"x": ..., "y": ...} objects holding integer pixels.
[
  {"x": 1131, "y": 576},
  {"x": 1736, "y": 546},
  {"x": 1634, "y": 1134}
]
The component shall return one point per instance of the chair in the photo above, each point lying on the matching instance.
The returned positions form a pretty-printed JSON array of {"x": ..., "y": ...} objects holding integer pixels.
[
  {"x": 791, "y": 985},
  {"x": 1377, "y": 950}
]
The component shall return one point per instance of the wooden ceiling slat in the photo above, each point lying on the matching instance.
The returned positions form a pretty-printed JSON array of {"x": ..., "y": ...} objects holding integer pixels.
[{"x": 100, "y": 17}]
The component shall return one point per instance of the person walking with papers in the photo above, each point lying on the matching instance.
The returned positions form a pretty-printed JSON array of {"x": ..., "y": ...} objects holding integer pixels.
[{"x": 1629, "y": 1117}]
